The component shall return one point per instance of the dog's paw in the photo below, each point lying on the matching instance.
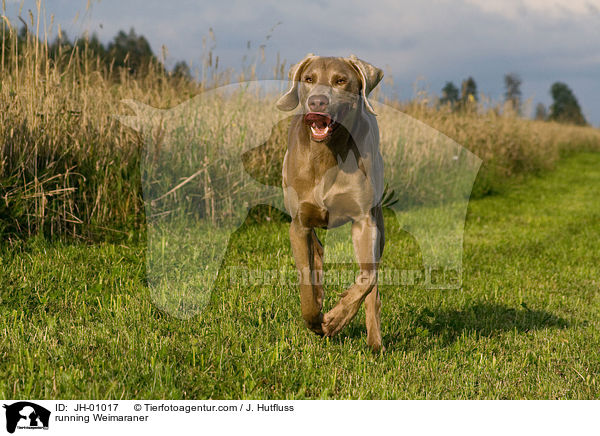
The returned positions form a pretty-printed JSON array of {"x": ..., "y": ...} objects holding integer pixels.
[
  {"x": 375, "y": 345},
  {"x": 314, "y": 323},
  {"x": 316, "y": 329},
  {"x": 337, "y": 318}
]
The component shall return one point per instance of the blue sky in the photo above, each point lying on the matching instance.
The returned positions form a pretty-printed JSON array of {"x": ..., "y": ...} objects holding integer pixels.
[{"x": 431, "y": 40}]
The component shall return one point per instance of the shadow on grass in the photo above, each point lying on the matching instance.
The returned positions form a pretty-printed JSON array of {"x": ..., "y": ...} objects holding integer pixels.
[{"x": 442, "y": 327}]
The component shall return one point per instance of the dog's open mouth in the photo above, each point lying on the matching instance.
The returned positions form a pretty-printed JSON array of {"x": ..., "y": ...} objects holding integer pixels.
[{"x": 321, "y": 125}]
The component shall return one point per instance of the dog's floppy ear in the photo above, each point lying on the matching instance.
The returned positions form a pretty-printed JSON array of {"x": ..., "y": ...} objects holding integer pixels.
[
  {"x": 369, "y": 75},
  {"x": 290, "y": 99}
]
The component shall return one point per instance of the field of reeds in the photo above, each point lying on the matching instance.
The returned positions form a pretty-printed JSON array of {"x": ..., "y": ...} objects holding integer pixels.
[{"x": 70, "y": 167}]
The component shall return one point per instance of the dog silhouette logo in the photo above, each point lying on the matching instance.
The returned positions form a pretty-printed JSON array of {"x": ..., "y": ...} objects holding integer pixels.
[
  {"x": 208, "y": 161},
  {"x": 26, "y": 415}
]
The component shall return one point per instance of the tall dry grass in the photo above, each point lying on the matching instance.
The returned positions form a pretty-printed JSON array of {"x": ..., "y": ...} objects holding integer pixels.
[
  {"x": 68, "y": 167},
  {"x": 508, "y": 145}
]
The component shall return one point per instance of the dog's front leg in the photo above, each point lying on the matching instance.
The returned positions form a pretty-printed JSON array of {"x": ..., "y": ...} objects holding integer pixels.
[
  {"x": 367, "y": 237},
  {"x": 308, "y": 253}
]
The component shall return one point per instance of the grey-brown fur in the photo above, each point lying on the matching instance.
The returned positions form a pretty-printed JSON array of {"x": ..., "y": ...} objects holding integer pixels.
[{"x": 329, "y": 181}]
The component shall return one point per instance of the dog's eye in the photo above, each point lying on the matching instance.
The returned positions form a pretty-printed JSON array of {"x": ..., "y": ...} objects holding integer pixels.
[
  {"x": 308, "y": 79},
  {"x": 340, "y": 81}
]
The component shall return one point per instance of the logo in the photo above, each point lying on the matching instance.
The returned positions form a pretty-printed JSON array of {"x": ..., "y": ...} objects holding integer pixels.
[
  {"x": 26, "y": 415},
  {"x": 199, "y": 187}
]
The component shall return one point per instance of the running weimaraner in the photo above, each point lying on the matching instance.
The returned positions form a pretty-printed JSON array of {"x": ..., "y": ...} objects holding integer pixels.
[{"x": 333, "y": 174}]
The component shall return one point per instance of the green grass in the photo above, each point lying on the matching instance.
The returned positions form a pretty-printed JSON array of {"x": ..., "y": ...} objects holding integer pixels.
[{"x": 77, "y": 320}]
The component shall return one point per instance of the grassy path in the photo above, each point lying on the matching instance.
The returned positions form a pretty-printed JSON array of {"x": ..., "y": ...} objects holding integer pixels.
[{"x": 76, "y": 321}]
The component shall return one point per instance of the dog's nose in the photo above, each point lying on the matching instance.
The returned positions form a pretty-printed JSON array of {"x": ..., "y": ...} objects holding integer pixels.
[{"x": 318, "y": 103}]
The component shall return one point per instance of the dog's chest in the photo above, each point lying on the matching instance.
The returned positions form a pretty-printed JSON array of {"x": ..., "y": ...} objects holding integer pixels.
[
  {"x": 330, "y": 196},
  {"x": 345, "y": 193}
]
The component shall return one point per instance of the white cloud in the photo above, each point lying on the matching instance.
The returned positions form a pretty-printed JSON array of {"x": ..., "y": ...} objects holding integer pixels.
[{"x": 555, "y": 9}]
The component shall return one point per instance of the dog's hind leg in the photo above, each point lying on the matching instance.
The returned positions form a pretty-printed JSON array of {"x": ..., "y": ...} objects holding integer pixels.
[
  {"x": 373, "y": 302},
  {"x": 308, "y": 253}
]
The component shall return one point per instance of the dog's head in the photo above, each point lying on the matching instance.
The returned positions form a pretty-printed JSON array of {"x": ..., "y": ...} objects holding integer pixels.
[{"x": 330, "y": 91}]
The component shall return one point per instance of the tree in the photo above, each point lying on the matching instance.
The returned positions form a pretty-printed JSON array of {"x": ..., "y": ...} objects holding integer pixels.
[
  {"x": 181, "y": 70},
  {"x": 93, "y": 46},
  {"x": 449, "y": 94},
  {"x": 541, "y": 113},
  {"x": 512, "y": 83},
  {"x": 131, "y": 51},
  {"x": 468, "y": 93},
  {"x": 61, "y": 45},
  {"x": 565, "y": 108}
]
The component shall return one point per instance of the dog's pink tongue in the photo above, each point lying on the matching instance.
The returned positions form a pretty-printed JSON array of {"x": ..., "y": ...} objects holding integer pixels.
[{"x": 317, "y": 120}]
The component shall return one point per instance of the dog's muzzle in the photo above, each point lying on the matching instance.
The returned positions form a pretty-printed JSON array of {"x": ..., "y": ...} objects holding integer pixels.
[{"x": 322, "y": 124}]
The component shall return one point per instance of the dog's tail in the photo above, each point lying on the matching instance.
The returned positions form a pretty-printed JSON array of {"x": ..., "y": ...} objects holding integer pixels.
[{"x": 389, "y": 197}]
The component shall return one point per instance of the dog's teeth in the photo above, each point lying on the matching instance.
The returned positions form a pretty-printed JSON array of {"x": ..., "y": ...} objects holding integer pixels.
[{"x": 319, "y": 133}]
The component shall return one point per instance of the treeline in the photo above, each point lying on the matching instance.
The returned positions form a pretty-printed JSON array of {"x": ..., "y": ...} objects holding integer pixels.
[
  {"x": 564, "y": 108},
  {"x": 126, "y": 51}
]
